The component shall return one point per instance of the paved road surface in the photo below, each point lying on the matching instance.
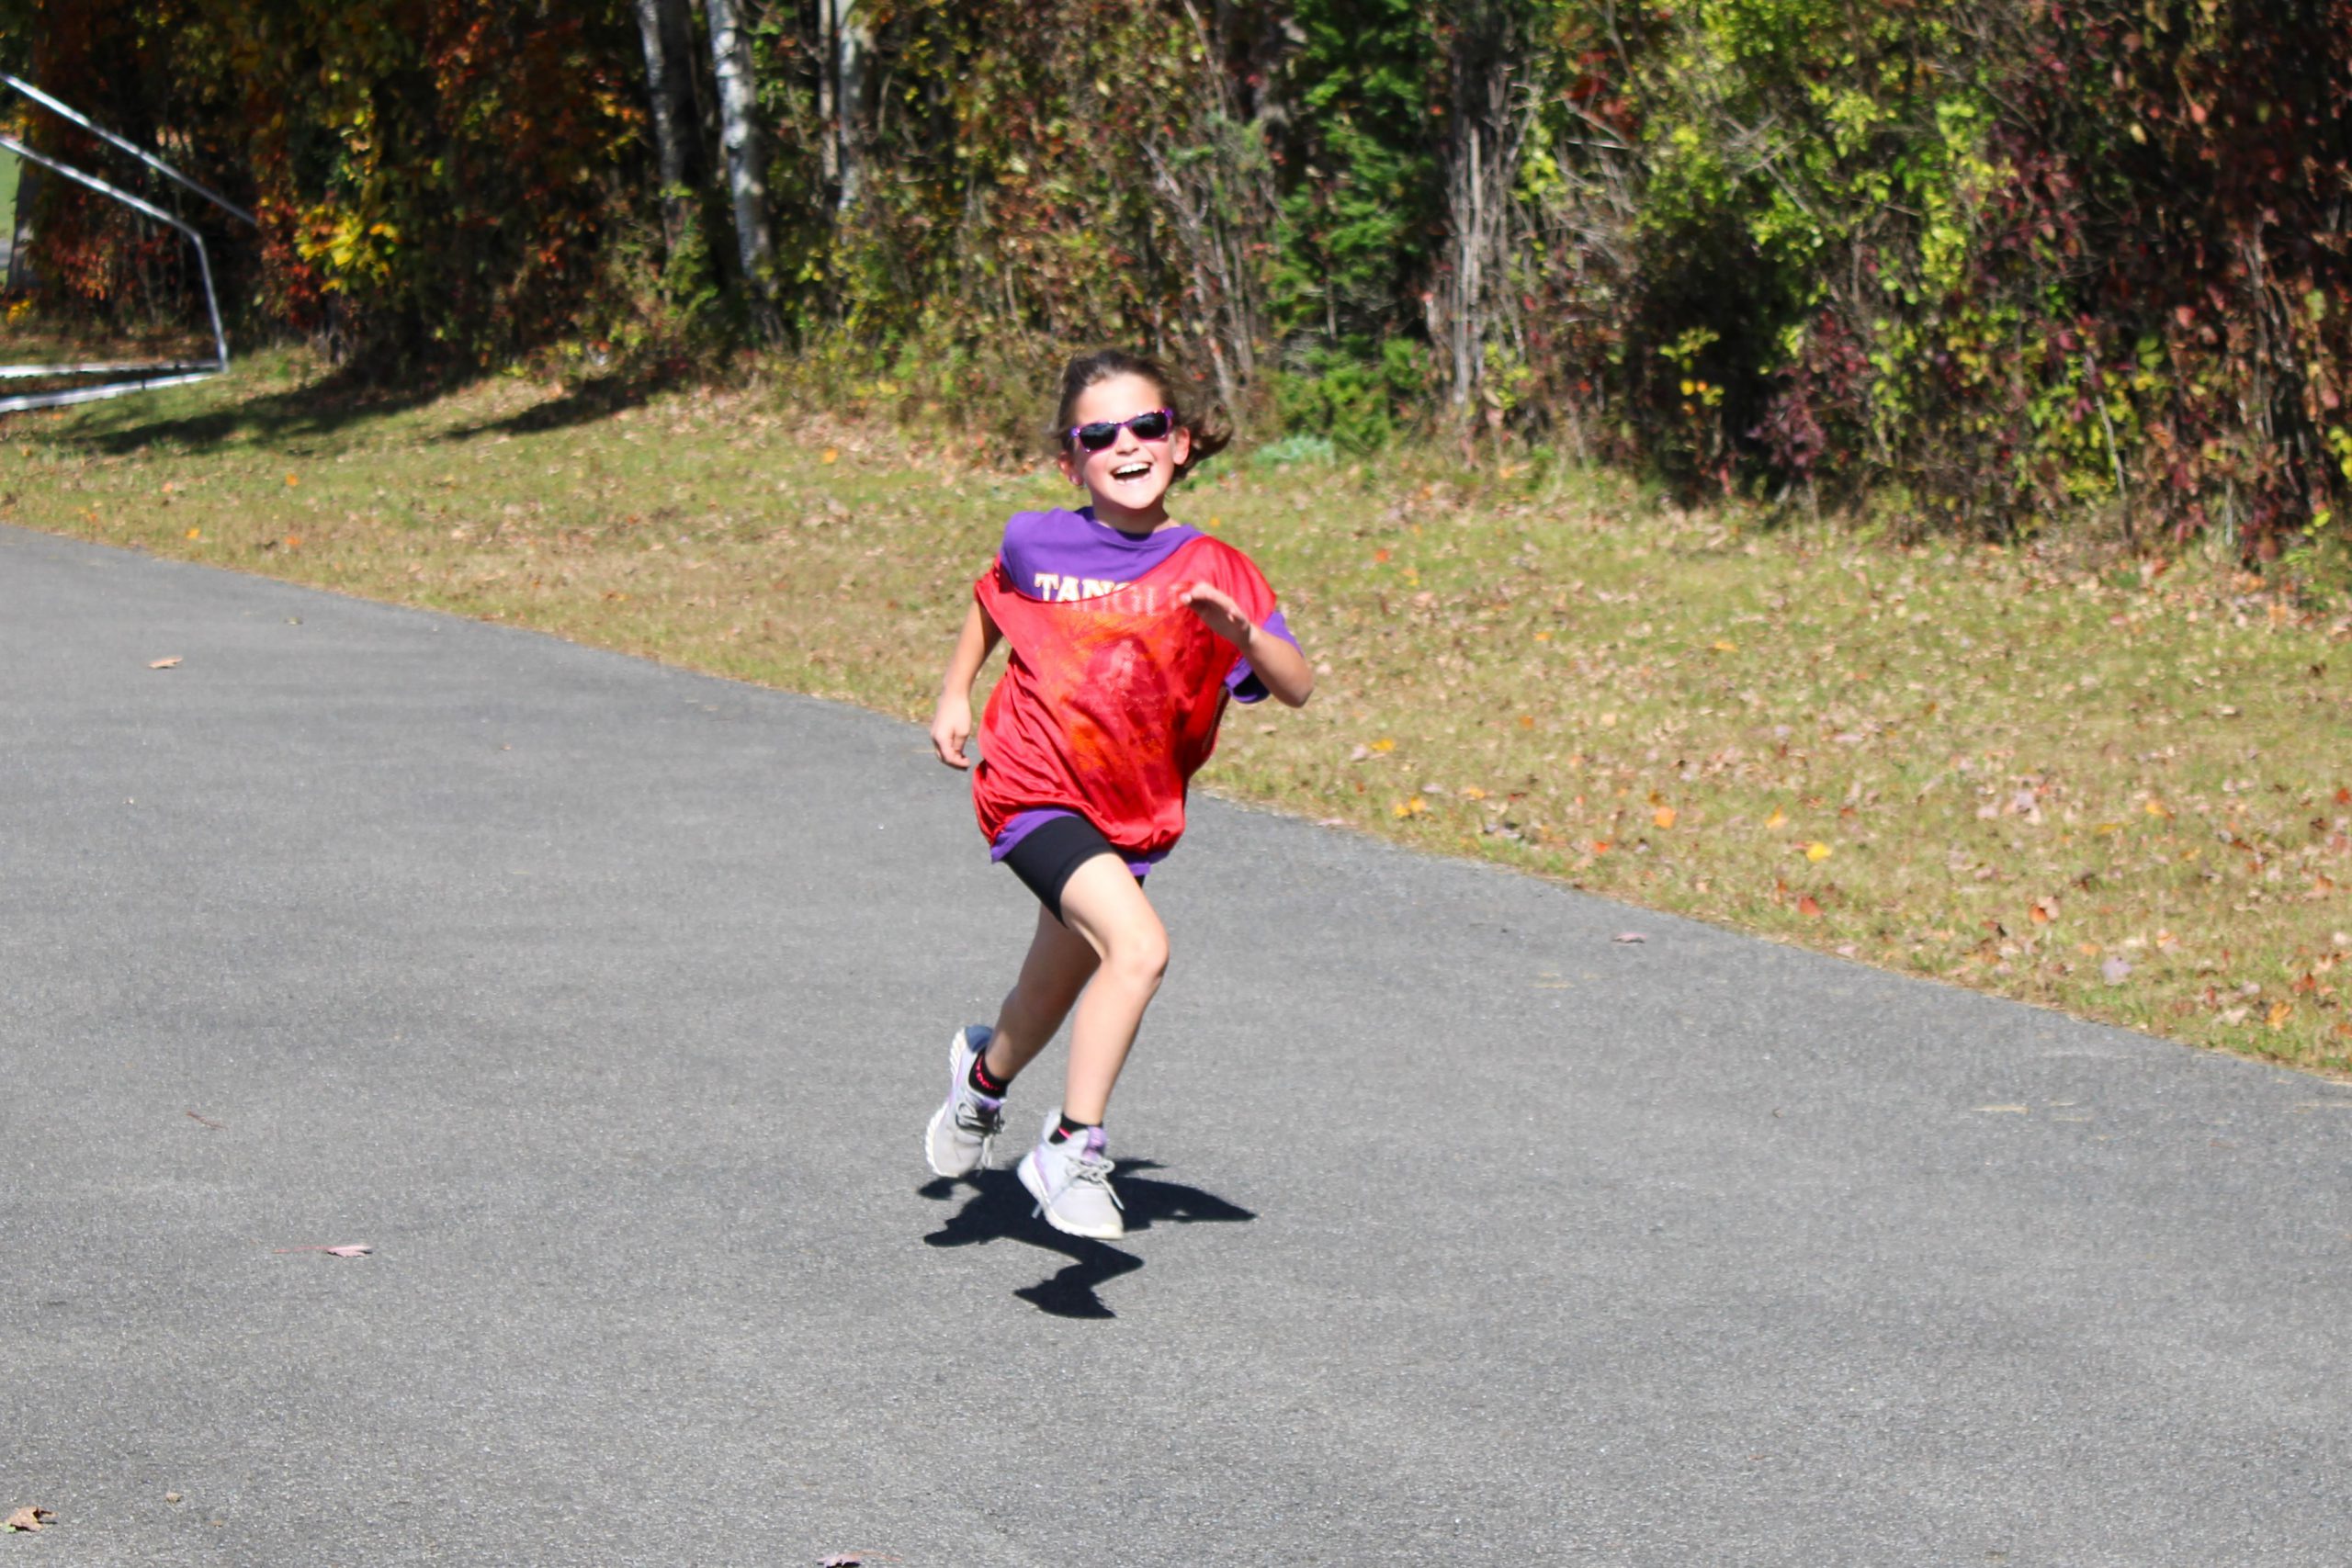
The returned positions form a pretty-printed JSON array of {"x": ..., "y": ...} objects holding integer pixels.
[{"x": 607, "y": 1002}]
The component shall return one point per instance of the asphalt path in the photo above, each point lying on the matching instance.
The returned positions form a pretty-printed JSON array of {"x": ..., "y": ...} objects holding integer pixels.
[{"x": 607, "y": 1003}]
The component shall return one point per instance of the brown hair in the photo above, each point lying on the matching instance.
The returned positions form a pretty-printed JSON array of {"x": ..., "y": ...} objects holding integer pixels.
[{"x": 1210, "y": 434}]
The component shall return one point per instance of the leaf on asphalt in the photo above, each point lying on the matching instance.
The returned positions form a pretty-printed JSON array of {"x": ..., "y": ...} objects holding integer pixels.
[
  {"x": 163, "y": 663},
  {"x": 840, "y": 1560},
  {"x": 349, "y": 1249},
  {"x": 2003, "y": 1111},
  {"x": 30, "y": 1520},
  {"x": 207, "y": 1121},
  {"x": 2115, "y": 971},
  {"x": 1630, "y": 936}
]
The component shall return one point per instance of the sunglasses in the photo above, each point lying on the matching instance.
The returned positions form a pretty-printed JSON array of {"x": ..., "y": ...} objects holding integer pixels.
[{"x": 1151, "y": 426}]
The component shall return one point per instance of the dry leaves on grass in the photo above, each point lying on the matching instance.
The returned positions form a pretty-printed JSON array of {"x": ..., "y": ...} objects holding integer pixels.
[{"x": 30, "y": 1520}]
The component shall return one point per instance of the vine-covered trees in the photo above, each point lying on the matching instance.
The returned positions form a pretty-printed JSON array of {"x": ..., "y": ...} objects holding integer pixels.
[{"x": 2003, "y": 260}]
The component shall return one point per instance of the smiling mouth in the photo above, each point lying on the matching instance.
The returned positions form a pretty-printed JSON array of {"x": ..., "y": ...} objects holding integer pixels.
[{"x": 1131, "y": 470}]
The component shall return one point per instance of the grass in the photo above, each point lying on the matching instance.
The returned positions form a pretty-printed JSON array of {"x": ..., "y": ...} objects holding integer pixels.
[{"x": 2123, "y": 787}]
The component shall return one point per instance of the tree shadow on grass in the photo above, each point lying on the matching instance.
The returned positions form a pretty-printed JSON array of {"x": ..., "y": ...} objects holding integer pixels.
[
  {"x": 582, "y": 404},
  {"x": 999, "y": 1208},
  {"x": 299, "y": 420}
]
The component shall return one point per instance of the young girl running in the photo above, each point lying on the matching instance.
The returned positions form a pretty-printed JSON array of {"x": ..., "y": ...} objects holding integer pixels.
[{"x": 1128, "y": 631}]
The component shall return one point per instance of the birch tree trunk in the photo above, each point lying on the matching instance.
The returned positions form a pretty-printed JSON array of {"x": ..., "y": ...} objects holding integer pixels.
[
  {"x": 853, "y": 39},
  {"x": 730, "y": 53},
  {"x": 669, "y": 83}
]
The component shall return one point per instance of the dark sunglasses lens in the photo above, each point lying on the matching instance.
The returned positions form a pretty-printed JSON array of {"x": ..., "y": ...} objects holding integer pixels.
[
  {"x": 1095, "y": 437},
  {"x": 1149, "y": 426}
]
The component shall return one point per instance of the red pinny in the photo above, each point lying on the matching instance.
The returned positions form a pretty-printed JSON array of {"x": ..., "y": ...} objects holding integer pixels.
[{"x": 1108, "y": 705}]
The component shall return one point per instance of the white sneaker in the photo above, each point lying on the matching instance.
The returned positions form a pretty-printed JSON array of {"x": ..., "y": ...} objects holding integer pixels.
[
  {"x": 1071, "y": 1181},
  {"x": 963, "y": 1132}
]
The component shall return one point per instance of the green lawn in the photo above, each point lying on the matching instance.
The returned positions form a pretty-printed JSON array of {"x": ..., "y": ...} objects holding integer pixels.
[{"x": 2119, "y": 787}]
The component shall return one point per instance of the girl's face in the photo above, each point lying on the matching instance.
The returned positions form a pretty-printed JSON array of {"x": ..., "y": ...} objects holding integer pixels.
[{"x": 1128, "y": 479}]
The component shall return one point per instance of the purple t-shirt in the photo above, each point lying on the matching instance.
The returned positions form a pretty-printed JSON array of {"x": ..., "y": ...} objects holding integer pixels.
[{"x": 1060, "y": 556}]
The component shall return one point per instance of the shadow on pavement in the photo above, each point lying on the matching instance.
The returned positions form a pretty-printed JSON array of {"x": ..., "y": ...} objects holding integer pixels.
[{"x": 1000, "y": 1208}]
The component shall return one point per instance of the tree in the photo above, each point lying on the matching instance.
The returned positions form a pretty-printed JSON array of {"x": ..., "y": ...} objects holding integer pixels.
[{"x": 730, "y": 53}]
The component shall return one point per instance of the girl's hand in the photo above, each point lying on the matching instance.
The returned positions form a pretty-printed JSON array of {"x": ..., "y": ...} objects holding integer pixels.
[
  {"x": 1219, "y": 614},
  {"x": 951, "y": 725}
]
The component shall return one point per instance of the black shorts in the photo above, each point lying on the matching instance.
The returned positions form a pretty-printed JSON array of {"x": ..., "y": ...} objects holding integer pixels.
[{"x": 1049, "y": 855}]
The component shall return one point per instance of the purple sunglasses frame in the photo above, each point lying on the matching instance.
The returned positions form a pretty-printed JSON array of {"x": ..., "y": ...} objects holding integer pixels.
[{"x": 1115, "y": 426}]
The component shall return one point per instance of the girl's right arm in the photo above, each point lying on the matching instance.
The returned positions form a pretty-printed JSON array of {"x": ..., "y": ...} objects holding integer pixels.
[{"x": 951, "y": 722}]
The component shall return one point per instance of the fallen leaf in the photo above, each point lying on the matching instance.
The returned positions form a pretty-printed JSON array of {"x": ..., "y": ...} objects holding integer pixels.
[
  {"x": 1383, "y": 744},
  {"x": 1380, "y": 557},
  {"x": 2279, "y": 1015},
  {"x": 1725, "y": 646},
  {"x": 2002, "y": 1110},
  {"x": 1630, "y": 936},
  {"x": 349, "y": 1249},
  {"x": 1412, "y": 807},
  {"x": 196, "y": 533},
  {"x": 29, "y": 1519},
  {"x": 830, "y": 455},
  {"x": 290, "y": 480},
  {"x": 840, "y": 1560},
  {"x": 1808, "y": 906},
  {"x": 208, "y": 1121},
  {"x": 1664, "y": 817},
  {"x": 2157, "y": 808},
  {"x": 1526, "y": 721},
  {"x": 1816, "y": 852},
  {"x": 1777, "y": 821},
  {"x": 2115, "y": 970},
  {"x": 163, "y": 663},
  {"x": 2043, "y": 912}
]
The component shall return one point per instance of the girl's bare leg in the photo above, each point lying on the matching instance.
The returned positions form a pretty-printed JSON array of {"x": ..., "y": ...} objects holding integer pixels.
[
  {"x": 1105, "y": 905},
  {"x": 1059, "y": 964}
]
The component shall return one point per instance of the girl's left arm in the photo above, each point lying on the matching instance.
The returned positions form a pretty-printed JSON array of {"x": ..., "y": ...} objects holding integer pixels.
[{"x": 1282, "y": 668}]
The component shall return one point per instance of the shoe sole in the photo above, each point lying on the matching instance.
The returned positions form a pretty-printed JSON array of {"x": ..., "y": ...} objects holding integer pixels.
[{"x": 1028, "y": 1163}]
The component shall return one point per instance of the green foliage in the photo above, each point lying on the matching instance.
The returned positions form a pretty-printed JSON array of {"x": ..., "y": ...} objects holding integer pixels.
[
  {"x": 1360, "y": 211},
  {"x": 1996, "y": 262},
  {"x": 1356, "y": 404}
]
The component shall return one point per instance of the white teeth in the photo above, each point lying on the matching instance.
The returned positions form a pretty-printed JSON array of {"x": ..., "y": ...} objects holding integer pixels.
[{"x": 1131, "y": 470}]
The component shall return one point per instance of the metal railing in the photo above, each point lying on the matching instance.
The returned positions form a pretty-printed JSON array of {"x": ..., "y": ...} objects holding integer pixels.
[{"x": 134, "y": 376}]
